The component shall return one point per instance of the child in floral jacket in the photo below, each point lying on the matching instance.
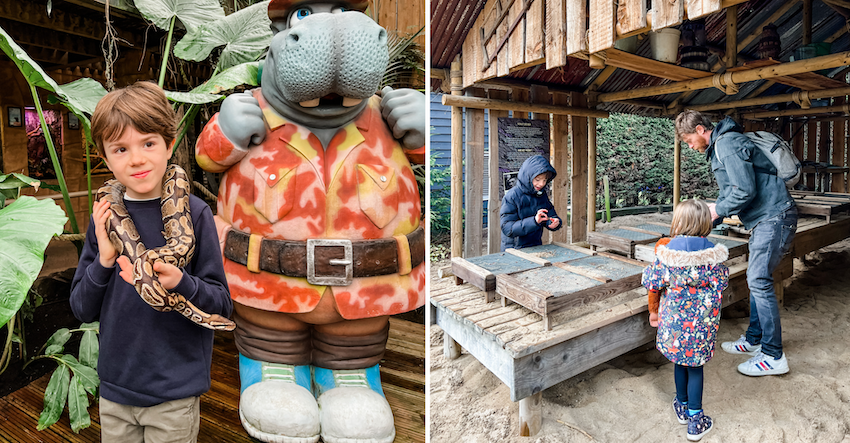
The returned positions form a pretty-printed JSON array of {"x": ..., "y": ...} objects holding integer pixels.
[{"x": 689, "y": 270}]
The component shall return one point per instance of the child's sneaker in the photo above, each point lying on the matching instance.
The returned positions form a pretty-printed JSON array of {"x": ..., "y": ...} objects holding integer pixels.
[
  {"x": 681, "y": 411},
  {"x": 763, "y": 364},
  {"x": 698, "y": 425},
  {"x": 740, "y": 346}
]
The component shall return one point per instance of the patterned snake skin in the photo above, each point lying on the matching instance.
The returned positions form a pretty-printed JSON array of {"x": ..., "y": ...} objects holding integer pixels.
[{"x": 178, "y": 249}]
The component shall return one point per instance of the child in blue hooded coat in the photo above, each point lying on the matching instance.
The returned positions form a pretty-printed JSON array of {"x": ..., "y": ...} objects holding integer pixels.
[
  {"x": 526, "y": 208},
  {"x": 689, "y": 270}
]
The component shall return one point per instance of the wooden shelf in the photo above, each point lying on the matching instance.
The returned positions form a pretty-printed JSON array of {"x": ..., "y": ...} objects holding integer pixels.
[{"x": 648, "y": 66}]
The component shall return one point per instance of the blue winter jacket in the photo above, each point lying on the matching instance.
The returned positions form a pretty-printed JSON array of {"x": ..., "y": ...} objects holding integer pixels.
[
  {"x": 521, "y": 203},
  {"x": 749, "y": 187}
]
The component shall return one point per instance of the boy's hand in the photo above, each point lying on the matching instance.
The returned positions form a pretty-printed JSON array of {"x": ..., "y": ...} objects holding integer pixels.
[
  {"x": 653, "y": 320},
  {"x": 554, "y": 222},
  {"x": 241, "y": 120},
  {"x": 541, "y": 216},
  {"x": 106, "y": 250},
  {"x": 169, "y": 275}
]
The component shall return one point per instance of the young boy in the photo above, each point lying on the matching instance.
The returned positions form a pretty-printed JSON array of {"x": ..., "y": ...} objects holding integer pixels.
[
  {"x": 526, "y": 208},
  {"x": 153, "y": 366}
]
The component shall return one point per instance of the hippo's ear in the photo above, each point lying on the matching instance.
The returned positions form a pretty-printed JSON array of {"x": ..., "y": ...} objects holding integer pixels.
[{"x": 277, "y": 26}]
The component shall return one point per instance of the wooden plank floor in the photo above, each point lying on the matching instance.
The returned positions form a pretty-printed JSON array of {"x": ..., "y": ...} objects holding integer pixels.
[{"x": 402, "y": 376}]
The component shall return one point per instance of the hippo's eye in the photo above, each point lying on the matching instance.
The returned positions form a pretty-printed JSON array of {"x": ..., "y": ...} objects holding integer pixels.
[{"x": 298, "y": 15}]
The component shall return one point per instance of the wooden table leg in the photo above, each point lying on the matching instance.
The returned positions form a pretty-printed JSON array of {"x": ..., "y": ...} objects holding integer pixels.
[{"x": 530, "y": 417}]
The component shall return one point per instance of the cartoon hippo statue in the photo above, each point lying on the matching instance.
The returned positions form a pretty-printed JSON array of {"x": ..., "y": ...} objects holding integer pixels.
[{"x": 319, "y": 220}]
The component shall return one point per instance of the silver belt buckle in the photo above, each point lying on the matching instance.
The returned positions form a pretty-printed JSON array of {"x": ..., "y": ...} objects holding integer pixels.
[{"x": 329, "y": 280}]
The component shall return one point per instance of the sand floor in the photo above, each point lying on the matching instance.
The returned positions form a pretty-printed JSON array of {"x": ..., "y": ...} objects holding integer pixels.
[{"x": 628, "y": 399}]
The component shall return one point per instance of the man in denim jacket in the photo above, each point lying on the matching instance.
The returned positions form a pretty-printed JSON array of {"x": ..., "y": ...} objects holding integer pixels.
[{"x": 750, "y": 189}]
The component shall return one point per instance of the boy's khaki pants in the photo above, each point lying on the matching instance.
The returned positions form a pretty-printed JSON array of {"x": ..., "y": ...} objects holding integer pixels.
[{"x": 176, "y": 421}]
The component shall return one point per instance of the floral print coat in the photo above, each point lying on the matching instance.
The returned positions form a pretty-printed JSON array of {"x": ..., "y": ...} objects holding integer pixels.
[{"x": 692, "y": 271}]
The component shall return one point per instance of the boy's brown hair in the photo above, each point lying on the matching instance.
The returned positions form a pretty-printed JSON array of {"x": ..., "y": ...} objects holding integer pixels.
[
  {"x": 691, "y": 217},
  {"x": 687, "y": 122},
  {"x": 142, "y": 105}
]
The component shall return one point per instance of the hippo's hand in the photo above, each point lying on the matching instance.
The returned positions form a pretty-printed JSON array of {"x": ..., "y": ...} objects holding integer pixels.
[
  {"x": 404, "y": 111},
  {"x": 241, "y": 120}
]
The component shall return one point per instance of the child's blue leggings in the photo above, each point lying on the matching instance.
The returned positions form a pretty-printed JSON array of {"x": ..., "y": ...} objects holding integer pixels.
[{"x": 689, "y": 385}]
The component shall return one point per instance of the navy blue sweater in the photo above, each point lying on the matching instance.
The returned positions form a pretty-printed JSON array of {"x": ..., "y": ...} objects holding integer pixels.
[
  {"x": 521, "y": 203},
  {"x": 149, "y": 357}
]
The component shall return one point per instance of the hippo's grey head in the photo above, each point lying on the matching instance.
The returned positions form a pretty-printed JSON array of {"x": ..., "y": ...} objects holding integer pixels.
[{"x": 323, "y": 63}]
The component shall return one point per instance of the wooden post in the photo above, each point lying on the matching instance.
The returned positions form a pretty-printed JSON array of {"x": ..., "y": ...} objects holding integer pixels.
[
  {"x": 591, "y": 174},
  {"x": 457, "y": 171},
  {"x": 807, "y": 22},
  {"x": 494, "y": 232},
  {"x": 474, "y": 183},
  {"x": 731, "y": 36},
  {"x": 561, "y": 163},
  {"x": 578, "y": 185},
  {"x": 530, "y": 417},
  {"x": 811, "y": 151},
  {"x": 451, "y": 349},
  {"x": 677, "y": 170},
  {"x": 839, "y": 149},
  {"x": 540, "y": 95}
]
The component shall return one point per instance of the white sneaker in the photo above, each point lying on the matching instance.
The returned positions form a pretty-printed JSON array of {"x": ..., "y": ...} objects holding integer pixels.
[
  {"x": 763, "y": 364},
  {"x": 740, "y": 346}
]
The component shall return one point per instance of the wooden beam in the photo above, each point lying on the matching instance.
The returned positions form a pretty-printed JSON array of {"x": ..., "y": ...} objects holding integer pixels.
[
  {"x": 578, "y": 185},
  {"x": 797, "y": 67},
  {"x": 601, "y": 34},
  {"x": 474, "y": 182},
  {"x": 556, "y": 34},
  {"x": 494, "y": 232},
  {"x": 731, "y": 36},
  {"x": 807, "y": 22},
  {"x": 781, "y": 98},
  {"x": 631, "y": 15},
  {"x": 561, "y": 163},
  {"x": 644, "y": 30},
  {"x": 667, "y": 13},
  {"x": 695, "y": 9},
  {"x": 636, "y": 63},
  {"x": 505, "y": 105},
  {"x": 795, "y": 112},
  {"x": 576, "y": 26},
  {"x": 456, "y": 165},
  {"x": 34, "y": 14},
  {"x": 591, "y": 173}
]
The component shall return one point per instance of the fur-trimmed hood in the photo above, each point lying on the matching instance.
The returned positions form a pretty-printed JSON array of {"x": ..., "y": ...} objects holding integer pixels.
[{"x": 691, "y": 251}]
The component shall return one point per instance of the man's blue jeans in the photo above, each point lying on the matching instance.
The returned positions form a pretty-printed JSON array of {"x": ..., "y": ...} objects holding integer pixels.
[{"x": 769, "y": 241}]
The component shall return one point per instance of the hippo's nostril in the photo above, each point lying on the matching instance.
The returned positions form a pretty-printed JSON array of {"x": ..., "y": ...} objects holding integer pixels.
[
  {"x": 294, "y": 37},
  {"x": 382, "y": 36}
]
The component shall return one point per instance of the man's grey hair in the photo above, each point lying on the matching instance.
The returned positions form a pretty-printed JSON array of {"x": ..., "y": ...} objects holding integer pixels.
[{"x": 687, "y": 122}]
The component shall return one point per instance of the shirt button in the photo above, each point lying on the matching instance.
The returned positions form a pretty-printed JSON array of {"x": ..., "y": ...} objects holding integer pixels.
[
  {"x": 271, "y": 177},
  {"x": 383, "y": 178}
]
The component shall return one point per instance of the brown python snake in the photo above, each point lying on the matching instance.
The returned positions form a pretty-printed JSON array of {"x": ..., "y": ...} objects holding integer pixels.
[{"x": 178, "y": 249}]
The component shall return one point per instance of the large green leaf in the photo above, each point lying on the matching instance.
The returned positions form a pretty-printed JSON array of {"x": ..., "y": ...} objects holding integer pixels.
[
  {"x": 192, "y": 13},
  {"x": 16, "y": 181},
  {"x": 54, "y": 397},
  {"x": 86, "y": 91},
  {"x": 78, "y": 406},
  {"x": 244, "y": 74},
  {"x": 56, "y": 343},
  {"x": 26, "y": 226},
  {"x": 89, "y": 349},
  {"x": 86, "y": 375},
  {"x": 192, "y": 98},
  {"x": 244, "y": 34}
]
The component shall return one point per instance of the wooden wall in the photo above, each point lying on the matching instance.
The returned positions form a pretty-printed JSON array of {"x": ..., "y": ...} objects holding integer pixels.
[{"x": 404, "y": 16}]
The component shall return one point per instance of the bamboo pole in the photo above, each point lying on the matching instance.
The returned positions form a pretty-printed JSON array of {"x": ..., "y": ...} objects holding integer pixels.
[
  {"x": 506, "y": 105},
  {"x": 796, "y": 112},
  {"x": 782, "y": 98},
  {"x": 738, "y": 77},
  {"x": 591, "y": 174},
  {"x": 677, "y": 170},
  {"x": 457, "y": 164},
  {"x": 731, "y": 36}
]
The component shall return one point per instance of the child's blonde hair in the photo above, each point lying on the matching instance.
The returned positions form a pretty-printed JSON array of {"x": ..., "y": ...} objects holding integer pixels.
[
  {"x": 142, "y": 105},
  {"x": 691, "y": 217}
]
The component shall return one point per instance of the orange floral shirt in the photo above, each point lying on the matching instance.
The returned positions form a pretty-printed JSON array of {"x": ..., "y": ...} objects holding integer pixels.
[{"x": 290, "y": 188}]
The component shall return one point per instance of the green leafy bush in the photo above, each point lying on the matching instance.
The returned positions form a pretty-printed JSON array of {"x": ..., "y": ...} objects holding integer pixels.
[
  {"x": 637, "y": 155},
  {"x": 440, "y": 209}
]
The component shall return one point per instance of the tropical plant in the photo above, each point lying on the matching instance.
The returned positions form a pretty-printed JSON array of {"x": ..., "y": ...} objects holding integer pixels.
[
  {"x": 63, "y": 387},
  {"x": 26, "y": 227},
  {"x": 439, "y": 210}
]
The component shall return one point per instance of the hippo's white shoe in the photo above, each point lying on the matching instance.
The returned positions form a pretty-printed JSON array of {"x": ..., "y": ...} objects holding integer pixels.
[
  {"x": 276, "y": 407},
  {"x": 352, "y": 410}
]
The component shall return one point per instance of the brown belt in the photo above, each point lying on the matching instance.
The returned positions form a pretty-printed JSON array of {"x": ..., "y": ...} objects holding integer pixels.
[{"x": 326, "y": 261}]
